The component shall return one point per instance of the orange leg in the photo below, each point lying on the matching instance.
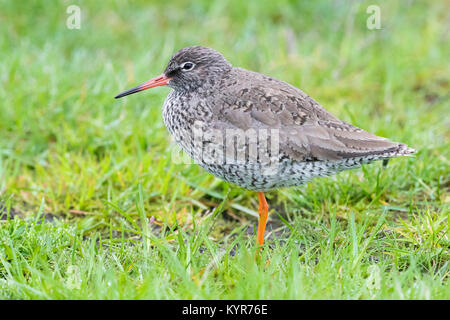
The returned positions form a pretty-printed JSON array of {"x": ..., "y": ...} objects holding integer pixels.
[{"x": 263, "y": 214}]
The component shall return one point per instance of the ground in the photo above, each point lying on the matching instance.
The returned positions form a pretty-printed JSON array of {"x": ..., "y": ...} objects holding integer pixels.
[{"x": 96, "y": 204}]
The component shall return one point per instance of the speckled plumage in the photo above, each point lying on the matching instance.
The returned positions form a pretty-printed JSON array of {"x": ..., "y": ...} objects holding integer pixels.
[
  {"x": 256, "y": 131},
  {"x": 216, "y": 97}
]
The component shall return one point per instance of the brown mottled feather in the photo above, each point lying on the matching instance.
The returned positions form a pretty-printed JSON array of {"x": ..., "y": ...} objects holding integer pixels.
[{"x": 307, "y": 130}]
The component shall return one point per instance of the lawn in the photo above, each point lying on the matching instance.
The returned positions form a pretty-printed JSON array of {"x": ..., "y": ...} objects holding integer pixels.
[{"x": 95, "y": 204}]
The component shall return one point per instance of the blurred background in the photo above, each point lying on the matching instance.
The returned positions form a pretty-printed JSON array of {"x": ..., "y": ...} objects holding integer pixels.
[{"x": 66, "y": 144}]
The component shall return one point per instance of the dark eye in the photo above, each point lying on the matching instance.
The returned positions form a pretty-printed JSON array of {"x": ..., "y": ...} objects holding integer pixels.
[{"x": 187, "y": 66}]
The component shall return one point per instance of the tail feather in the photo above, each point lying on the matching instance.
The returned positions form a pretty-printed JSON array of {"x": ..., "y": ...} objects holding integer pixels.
[
  {"x": 404, "y": 150},
  {"x": 398, "y": 150}
]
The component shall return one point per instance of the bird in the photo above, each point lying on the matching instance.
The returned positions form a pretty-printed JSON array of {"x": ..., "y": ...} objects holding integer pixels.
[{"x": 255, "y": 131}]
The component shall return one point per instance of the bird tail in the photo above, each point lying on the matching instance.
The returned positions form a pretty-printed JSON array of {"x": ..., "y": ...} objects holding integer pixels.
[{"x": 401, "y": 150}]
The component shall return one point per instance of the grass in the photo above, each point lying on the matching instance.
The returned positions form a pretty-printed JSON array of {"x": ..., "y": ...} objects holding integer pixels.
[{"x": 94, "y": 204}]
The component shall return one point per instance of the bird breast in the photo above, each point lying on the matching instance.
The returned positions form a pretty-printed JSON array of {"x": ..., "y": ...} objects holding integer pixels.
[{"x": 185, "y": 115}]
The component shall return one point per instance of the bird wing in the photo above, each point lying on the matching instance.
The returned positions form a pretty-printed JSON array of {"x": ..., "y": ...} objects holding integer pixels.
[{"x": 305, "y": 129}]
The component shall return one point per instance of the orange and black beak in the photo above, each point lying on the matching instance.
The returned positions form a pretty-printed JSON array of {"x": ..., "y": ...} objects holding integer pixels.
[{"x": 161, "y": 80}]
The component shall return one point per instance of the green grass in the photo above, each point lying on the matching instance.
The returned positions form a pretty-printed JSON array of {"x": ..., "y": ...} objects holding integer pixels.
[{"x": 84, "y": 174}]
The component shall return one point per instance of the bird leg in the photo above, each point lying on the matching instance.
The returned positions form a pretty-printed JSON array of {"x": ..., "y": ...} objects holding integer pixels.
[{"x": 263, "y": 214}]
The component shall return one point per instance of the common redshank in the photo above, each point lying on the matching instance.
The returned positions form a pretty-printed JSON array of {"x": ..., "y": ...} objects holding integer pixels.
[{"x": 256, "y": 131}]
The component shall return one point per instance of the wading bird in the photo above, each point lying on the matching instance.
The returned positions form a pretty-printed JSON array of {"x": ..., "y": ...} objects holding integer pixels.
[{"x": 286, "y": 138}]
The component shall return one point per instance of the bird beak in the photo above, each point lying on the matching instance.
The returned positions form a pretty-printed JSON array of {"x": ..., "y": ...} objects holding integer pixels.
[{"x": 161, "y": 80}]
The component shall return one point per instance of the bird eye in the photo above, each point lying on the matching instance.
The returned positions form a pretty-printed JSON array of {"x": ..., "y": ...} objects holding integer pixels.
[{"x": 187, "y": 66}]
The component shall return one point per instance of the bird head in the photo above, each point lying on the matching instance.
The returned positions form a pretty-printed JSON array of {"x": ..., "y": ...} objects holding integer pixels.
[{"x": 190, "y": 69}]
